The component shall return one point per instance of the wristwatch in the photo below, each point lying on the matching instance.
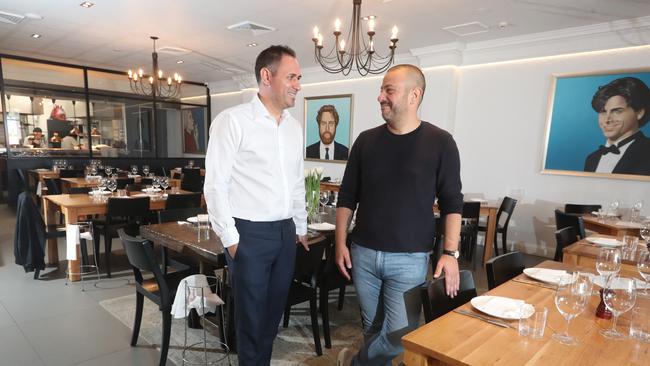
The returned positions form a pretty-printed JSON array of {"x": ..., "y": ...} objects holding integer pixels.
[{"x": 453, "y": 253}]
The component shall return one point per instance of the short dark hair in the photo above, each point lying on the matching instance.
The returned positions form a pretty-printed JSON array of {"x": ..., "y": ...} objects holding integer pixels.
[
  {"x": 37, "y": 129},
  {"x": 327, "y": 108},
  {"x": 270, "y": 58},
  {"x": 634, "y": 91}
]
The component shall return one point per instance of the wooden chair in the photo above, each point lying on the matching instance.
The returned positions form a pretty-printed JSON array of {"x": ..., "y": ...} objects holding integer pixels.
[
  {"x": 507, "y": 208},
  {"x": 436, "y": 303},
  {"x": 303, "y": 285},
  {"x": 160, "y": 289},
  {"x": 504, "y": 268},
  {"x": 572, "y": 208},
  {"x": 564, "y": 237},
  {"x": 563, "y": 220}
]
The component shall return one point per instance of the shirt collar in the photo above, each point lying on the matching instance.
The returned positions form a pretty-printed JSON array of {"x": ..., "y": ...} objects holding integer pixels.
[{"x": 260, "y": 109}]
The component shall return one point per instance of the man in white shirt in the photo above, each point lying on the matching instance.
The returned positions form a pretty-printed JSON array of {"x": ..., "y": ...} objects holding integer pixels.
[
  {"x": 623, "y": 107},
  {"x": 326, "y": 148},
  {"x": 255, "y": 193}
]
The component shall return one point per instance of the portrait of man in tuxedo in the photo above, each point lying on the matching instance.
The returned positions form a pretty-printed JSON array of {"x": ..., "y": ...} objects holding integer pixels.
[
  {"x": 326, "y": 148},
  {"x": 623, "y": 107}
]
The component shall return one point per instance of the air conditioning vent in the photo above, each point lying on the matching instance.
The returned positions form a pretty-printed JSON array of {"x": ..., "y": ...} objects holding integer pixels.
[
  {"x": 6, "y": 17},
  {"x": 467, "y": 29},
  {"x": 255, "y": 28}
]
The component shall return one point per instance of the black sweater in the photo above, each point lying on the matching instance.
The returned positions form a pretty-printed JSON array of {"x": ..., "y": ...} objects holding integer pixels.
[{"x": 395, "y": 180}]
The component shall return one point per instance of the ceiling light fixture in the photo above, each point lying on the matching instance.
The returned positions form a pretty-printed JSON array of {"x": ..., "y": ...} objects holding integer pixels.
[
  {"x": 180, "y": 61},
  {"x": 252, "y": 45},
  {"x": 36, "y": 35},
  {"x": 87, "y": 4},
  {"x": 360, "y": 55},
  {"x": 158, "y": 85}
]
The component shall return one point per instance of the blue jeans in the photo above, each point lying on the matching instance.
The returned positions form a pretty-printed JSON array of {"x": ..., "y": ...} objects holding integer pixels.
[{"x": 387, "y": 286}]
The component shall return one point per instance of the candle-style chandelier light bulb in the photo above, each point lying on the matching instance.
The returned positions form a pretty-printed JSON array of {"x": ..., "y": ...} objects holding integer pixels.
[
  {"x": 356, "y": 51},
  {"x": 158, "y": 84}
]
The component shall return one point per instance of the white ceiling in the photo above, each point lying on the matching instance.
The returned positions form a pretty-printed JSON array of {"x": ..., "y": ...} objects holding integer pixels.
[{"x": 115, "y": 33}]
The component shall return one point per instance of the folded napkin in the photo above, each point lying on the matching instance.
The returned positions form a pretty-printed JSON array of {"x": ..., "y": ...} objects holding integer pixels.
[
  {"x": 191, "y": 290},
  {"x": 72, "y": 239},
  {"x": 133, "y": 176},
  {"x": 322, "y": 226}
]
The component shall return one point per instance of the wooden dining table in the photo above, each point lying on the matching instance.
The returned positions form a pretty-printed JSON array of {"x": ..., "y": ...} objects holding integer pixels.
[
  {"x": 74, "y": 206},
  {"x": 457, "y": 339},
  {"x": 611, "y": 226},
  {"x": 584, "y": 253}
]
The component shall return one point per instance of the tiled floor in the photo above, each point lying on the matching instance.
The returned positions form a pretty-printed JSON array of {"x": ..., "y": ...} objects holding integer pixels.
[{"x": 45, "y": 322}]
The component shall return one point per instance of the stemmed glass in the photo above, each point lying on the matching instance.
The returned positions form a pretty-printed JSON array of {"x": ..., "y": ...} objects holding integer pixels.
[
  {"x": 608, "y": 262},
  {"x": 155, "y": 183},
  {"x": 145, "y": 170},
  {"x": 571, "y": 298},
  {"x": 134, "y": 169},
  {"x": 102, "y": 185},
  {"x": 323, "y": 199},
  {"x": 619, "y": 297},
  {"x": 645, "y": 232},
  {"x": 164, "y": 183},
  {"x": 108, "y": 169},
  {"x": 93, "y": 170},
  {"x": 111, "y": 185},
  {"x": 636, "y": 211},
  {"x": 613, "y": 209},
  {"x": 643, "y": 266}
]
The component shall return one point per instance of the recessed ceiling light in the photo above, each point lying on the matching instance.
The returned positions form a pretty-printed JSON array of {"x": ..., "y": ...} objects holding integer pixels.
[
  {"x": 368, "y": 17},
  {"x": 252, "y": 45},
  {"x": 87, "y": 4},
  {"x": 180, "y": 61},
  {"x": 34, "y": 16},
  {"x": 36, "y": 35}
]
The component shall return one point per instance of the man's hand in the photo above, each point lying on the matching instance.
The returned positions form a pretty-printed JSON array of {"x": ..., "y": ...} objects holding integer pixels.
[
  {"x": 232, "y": 250},
  {"x": 448, "y": 264},
  {"x": 303, "y": 241},
  {"x": 343, "y": 260}
]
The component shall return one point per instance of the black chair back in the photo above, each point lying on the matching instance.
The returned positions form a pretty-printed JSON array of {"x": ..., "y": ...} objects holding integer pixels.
[
  {"x": 71, "y": 173},
  {"x": 53, "y": 185},
  {"x": 135, "y": 209},
  {"x": 135, "y": 187},
  {"x": 184, "y": 200},
  {"x": 191, "y": 180},
  {"x": 146, "y": 181},
  {"x": 178, "y": 214},
  {"x": 79, "y": 190},
  {"x": 123, "y": 182},
  {"x": 435, "y": 301},
  {"x": 469, "y": 230},
  {"x": 572, "y": 208},
  {"x": 564, "y": 237},
  {"x": 503, "y": 268},
  {"x": 563, "y": 220}
]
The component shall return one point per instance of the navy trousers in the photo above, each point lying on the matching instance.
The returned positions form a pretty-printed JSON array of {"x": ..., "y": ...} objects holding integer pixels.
[{"x": 260, "y": 275}]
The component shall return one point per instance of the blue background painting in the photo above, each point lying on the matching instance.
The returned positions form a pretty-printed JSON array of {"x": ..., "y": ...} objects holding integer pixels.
[
  {"x": 574, "y": 132},
  {"x": 342, "y": 105}
]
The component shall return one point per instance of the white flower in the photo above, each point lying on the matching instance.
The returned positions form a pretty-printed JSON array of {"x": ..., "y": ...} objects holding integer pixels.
[
  {"x": 319, "y": 170},
  {"x": 307, "y": 172}
]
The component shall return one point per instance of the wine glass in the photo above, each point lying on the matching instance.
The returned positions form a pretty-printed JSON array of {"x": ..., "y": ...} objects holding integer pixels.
[
  {"x": 608, "y": 262},
  {"x": 93, "y": 170},
  {"x": 145, "y": 170},
  {"x": 613, "y": 208},
  {"x": 619, "y": 297},
  {"x": 108, "y": 169},
  {"x": 644, "y": 231},
  {"x": 571, "y": 298},
  {"x": 643, "y": 266},
  {"x": 134, "y": 169},
  {"x": 102, "y": 185},
  {"x": 155, "y": 183},
  {"x": 323, "y": 199},
  {"x": 164, "y": 183},
  {"x": 111, "y": 185},
  {"x": 636, "y": 211},
  {"x": 190, "y": 163}
]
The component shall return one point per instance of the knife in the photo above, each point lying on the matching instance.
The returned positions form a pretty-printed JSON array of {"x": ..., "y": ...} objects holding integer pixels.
[
  {"x": 535, "y": 283},
  {"x": 484, "y": 318}
]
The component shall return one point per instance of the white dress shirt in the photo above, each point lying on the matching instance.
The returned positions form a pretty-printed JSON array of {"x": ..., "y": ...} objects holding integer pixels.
[
  {"x": 254, "y": 170},
  {"x": 608, "y": 162},
  {"x": 330, "y": 151}
]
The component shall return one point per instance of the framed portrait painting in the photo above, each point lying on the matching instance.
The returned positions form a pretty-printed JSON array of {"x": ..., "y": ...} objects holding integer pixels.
[
  {"x": 598, "y": 125},
  {"x": 328, "y": 127},
  {"x": 193, "y": 123}
]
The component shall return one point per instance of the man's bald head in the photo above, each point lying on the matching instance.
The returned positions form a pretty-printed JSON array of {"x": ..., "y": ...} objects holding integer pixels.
[{"x": 413, "y": 76}]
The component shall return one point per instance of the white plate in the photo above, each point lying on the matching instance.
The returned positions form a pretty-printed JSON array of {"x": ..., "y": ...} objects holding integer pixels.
[
  {"x": 151, "y": 190},
  {"x": 96, "y": 193},
  {"x": 600, "y": 282},
  {"x": 545, "y": 275},
  {"x": 193, "y": 219},
  {"x": 606, "y": 214},
  {"x": 322, "y": 226},
  {"x": 478, "y": 200},
  {"x": 604, "y": 242},
  {"x": 502, "y": 307}
]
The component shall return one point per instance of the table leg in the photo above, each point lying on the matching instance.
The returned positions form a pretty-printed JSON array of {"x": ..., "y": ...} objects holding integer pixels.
[
  {"x": 49, "y": 211},
  {"x": 74, "y": 266},
  {"x": 489, "y": 235},
  {"x": 415, "y": 359}
]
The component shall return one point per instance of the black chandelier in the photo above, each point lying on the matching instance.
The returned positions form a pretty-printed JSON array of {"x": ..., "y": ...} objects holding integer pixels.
[
  {"x": 158, "y": 85},
  {"x": 360, "y": 55}
]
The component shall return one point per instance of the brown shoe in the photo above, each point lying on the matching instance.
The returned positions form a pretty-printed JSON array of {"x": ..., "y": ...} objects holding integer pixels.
[{"x": 345, "y": 357}]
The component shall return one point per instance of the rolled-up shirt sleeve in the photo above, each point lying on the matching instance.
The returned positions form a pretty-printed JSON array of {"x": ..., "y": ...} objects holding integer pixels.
[
  {"x": 450, "y": 198},
  {"x": 225, "y": 136}
]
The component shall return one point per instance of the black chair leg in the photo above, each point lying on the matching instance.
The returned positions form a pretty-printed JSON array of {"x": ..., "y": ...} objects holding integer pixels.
[
  {"x": 341, "y": 297},
  {"x": 167, "y": 329},
  {"x": 496, "y": 245},
  {"x": 84, "y": 252},
  {"x": 108, "y": 243},
  {"x": 139, "y": 303},
  {"x": 285, "y": 318},
  {"x": 325, "y": 316},
  {"x": 504, "y": 241},
  {"x": 313, "y": 310}
]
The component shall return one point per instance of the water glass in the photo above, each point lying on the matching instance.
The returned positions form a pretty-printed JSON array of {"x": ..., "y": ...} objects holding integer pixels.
[
  {"x": 534, "y": 324},
  {"x": 629, "y": 247},
  {"x": 640, "y": 324},
  {"x": 643, "y": 266},
  {"x": 619, "y": 297},
  {"x": 203, "y": 221},
  {"x": 571, "y": 298},
  {"x": 608, "y": 262},
  {"x": 645, "y": 232}
]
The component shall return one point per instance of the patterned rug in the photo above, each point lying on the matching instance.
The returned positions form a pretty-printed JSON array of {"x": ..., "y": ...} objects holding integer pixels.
[{"x": 293, "y": 346}]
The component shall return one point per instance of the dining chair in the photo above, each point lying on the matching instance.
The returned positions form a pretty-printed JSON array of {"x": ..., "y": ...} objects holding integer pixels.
[
  {"x": 563, "y": 220},
  {"x": 303, "y": 285},
  {"x": 572, "y": 208},
  {"x": 191, "y": 180},
  {"x": 504, "y": 268},
  {"x": 564, "y": 237},
  {"x": 505, "y": 210},
  {"x": 71, "y": 173},
  {"x": 53, "y": 185},
  {"x": 179, "y": 214},
  {"x": 146, "y": 181},
  {"x": 79, "y": 190},
  {"x": 135, "y": 187},
  {"x": 436, "y": 303},
  {"x": 469, "y": 230},
  {"x": 160, "y": 289},
  {"x": 329, "y": 278},
  {"x": 185, "y": 200},
  {"x": 121, "y": 213},
  {"x": 123, "y": 182}
]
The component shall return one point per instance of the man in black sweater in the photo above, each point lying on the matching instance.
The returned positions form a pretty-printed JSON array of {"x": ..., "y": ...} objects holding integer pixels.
[{"x": 394, "y": 173}]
